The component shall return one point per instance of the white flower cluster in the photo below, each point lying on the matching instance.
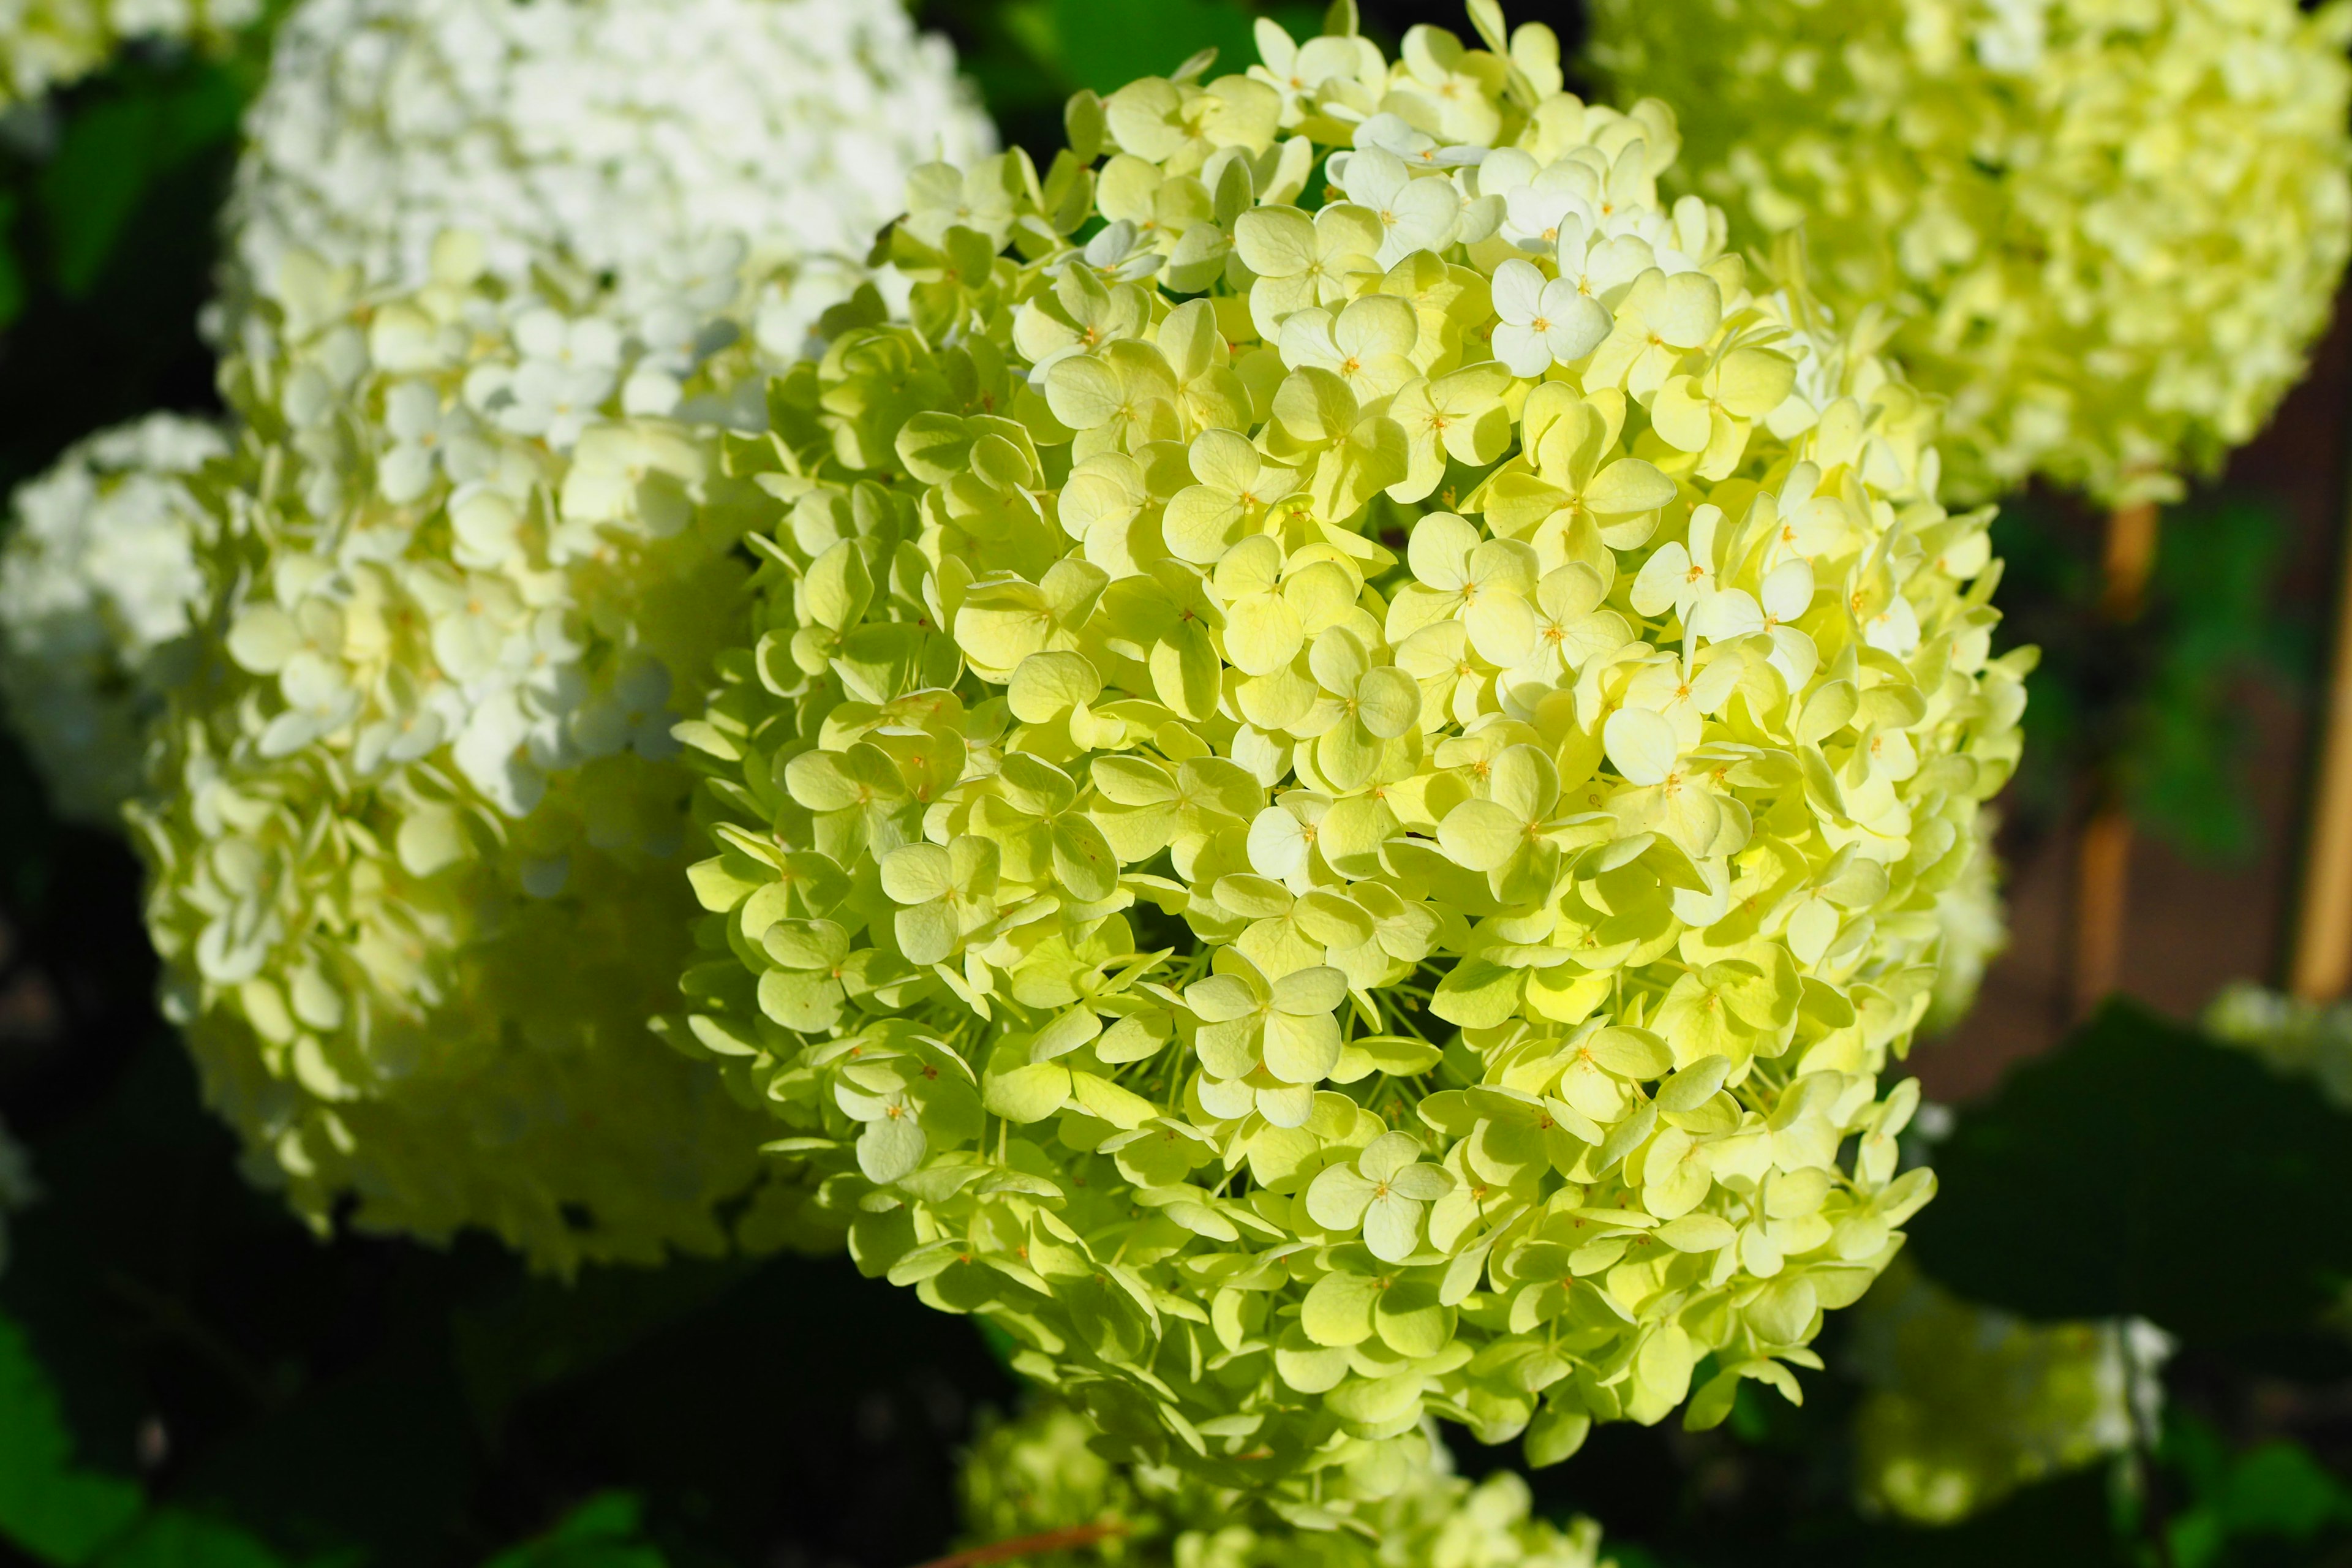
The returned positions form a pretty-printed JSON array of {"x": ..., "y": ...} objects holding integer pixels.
[
  {"x": 49, "y": 43},
  {"x": 97, "y": 579},
  {"x": 416, "y": 840},
  {"x": 619, "y": 134}
]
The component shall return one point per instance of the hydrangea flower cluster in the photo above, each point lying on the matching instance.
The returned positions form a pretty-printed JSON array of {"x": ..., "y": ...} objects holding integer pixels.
[
  {"x": 2114, "y": 226},
  {"x": 49, "y": 43},
  {"x": 1339, "y": 802},
  {"x": 1038, "y": 1475},
  {"x": 1967, "y": 1404},
  {"x": 623, "y": 134},
  {"x": 415, "y": 840},
  {"x": 2301, "y": 1039},
  {"x": 97, "y": 580}
]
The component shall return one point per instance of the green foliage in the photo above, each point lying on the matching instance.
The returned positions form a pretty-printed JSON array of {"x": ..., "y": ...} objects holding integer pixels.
[
  {"x": 1028, "y": 56},
  {"x": 2159, "y": 705},
  {"x": 2214, "y": 629},
  {"x": 48, "y": 1505},
  {"x": 2245, "y": 1504},
  {"x": 605, "y": 1532},
  {"x": 2204, "y": 1192},
  {"x": 367, "y": 1404},
  {"x": 118, "y": 149},
  {"x": 108, "y": 197}
]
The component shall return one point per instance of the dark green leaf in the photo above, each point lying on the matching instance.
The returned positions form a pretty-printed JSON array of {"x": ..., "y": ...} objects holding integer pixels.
[
  {"x": 50, "y": 1507},
  {"x": 2142, "y": 1169},
  {"x": 602, "y": 1532},
  {"x": 93, "y": 184},
  {"x": 173, "y": 1538}
]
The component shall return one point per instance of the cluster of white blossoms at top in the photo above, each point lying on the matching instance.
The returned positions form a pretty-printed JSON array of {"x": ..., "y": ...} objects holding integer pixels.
[
  {"x": 49, "y": 43},
  {"x": 2304, "y": 1039},
  {"x": 98, "y": 585},
  {"x": 1039, "y": 1475},
  {"x": 1967, "y": 1404},
  {"x": 416, "y": 833},
  {"x": 620, "y": 135},
  {"x": 1341, "y": 798},
  {"x": 2114, "y": 228}
]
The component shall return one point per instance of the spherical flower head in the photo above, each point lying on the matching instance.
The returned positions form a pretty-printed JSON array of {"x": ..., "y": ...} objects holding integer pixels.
[
  {"x": 1044, "y": 1473},
  {"x": 2112, "y": 232},
  {"x": 1967, "y": 1404},
  {"x": 47, "y": 44},
  {"x": 97, "y": 587},
  {"x": 623, "y": 134},
  {"x": 1315, "y": 878},
  {"x": 417, "y": 830},
  {"x": 2298, "y": 1038}
]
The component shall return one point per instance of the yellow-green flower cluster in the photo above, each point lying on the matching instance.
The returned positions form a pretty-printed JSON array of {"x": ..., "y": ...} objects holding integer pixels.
[
  {"x": 49, "y": 43},
  {"x": 2303, "y": 1039},
  {"x": 1340, "y": 800},
  {"x": 1038, "y": 1476},
  {"x": 415, "y": 844},
  {"x": 97, "y": 580},
  {"x": 2114, "y": 226},
  {"x": 1967, "y": 1404}
]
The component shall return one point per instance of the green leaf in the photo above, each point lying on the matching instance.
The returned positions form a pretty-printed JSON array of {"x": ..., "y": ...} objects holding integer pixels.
[
  {"x": 2142, "y": 1169},
  {"x": 11, "y": 272},
  {"x": 605, "y": 1532},
  {"x": 93, "y": 184},
  {"x": 174, "y": 1538},
  {"x": 1105, "y": 46},
  {"x": 112, "y": 153},
  {"x": 48, "y": 1505}
]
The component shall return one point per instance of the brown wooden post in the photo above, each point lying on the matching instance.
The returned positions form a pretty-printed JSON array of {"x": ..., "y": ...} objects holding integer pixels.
[
  {"x": 2103, "y": 860},
  {"x": 2321, "y": 966}
]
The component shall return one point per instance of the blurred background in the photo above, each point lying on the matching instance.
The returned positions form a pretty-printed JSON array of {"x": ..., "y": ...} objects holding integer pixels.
[{"x": 295, "y": 1401}]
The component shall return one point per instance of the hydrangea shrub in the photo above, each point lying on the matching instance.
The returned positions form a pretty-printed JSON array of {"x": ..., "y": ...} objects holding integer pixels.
[
  {"x": 97, "y": 578},
  {"x": 1038, "y": 1475},
  {"x": 47, "y": 44},
  {"x": 416, "y": 839},
  {"x": 1967, "y": 1404},
  {"x": 620, "y": 134},
  {"x": 1341, "y": 793},
  {"x": 2114, "y": 228}
]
